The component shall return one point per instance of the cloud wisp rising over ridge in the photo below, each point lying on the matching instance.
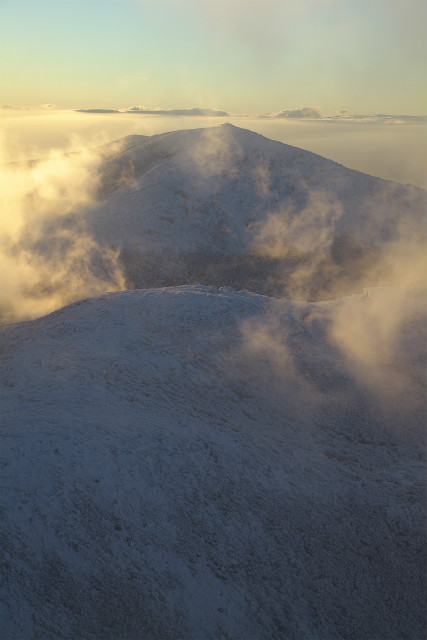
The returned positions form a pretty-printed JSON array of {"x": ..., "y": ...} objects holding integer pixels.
[{"x": 48, "y": 270}]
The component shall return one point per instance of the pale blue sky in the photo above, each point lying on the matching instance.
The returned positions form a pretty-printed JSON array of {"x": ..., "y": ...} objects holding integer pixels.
[{"x": 243, "y": 56}]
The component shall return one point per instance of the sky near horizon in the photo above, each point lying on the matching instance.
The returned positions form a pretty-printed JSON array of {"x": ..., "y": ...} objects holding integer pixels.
[
  {"x": 344, "y": 79},
  {"x": 241, "y": 56}
]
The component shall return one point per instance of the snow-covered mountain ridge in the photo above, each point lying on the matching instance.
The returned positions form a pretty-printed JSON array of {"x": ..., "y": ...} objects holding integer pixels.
[
  {"x": 200, "y": 462},
  {"x": 196, "y": 462},
  {"x": 226, "y": 206}
]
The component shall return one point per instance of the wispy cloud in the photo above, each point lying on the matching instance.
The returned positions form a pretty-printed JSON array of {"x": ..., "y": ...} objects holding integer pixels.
[
  {"x": 376, "y": 117},
  {"x": 97, "y": 110},
  {"x": 302, "y": 112},
  {"x": 194, "y": 111},
  {"x": 9, "y": 107},
  {"x": 315, "y": 113}
]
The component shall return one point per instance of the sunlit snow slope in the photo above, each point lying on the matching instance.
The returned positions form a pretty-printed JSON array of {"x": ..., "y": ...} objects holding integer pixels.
[{"x": 195, "y": 462}]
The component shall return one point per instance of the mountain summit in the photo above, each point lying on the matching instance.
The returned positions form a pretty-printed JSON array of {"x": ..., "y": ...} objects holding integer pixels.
[{"x": 227, "y": 206}]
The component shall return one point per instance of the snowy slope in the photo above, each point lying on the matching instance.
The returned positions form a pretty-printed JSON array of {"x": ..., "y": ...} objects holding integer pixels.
[
  {"x": 225, "y": 205},
  {"x": 215, "y": 182},
  {"x": 196, "y": 462}
]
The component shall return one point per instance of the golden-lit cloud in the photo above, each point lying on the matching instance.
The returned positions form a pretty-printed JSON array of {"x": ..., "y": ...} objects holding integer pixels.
[
  {"x": 371, "y": 337},
  {"x": 318, "y": 258},
  {"x": 362, "y": 350},
  {"x": 266, "y": 347},
  {"x": 377, "y": 336},
  {"x": 47, "y": 270}
]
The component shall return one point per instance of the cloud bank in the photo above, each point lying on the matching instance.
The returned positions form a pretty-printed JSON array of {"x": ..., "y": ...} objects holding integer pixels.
[
  {"x": 303, "y": 112},
  {"x": 291, "y": 113},
  {"x": 195, "y": 111}
]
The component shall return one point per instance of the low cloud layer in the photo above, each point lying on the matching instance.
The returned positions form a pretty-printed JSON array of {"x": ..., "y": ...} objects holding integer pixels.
[
  {"x": 303, "y": 112},
  {"x": 315, "y": 113},
  {"x": 195, "y": 111},
  {"x": 377, "y": 117},
  {"x": 290, "y": 113}
]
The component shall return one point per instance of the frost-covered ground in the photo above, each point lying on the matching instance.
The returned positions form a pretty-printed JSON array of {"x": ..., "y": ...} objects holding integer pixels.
[{"x": 199, "y": 462}]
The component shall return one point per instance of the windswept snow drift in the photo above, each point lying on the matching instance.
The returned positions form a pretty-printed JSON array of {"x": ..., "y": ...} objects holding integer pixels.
[{"x": 195, "y": 462}]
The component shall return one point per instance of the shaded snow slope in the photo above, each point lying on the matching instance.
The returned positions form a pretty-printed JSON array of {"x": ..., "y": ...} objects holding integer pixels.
[
  {"x": 227, "y": 206},
  {"x": 199, "y": 463}
]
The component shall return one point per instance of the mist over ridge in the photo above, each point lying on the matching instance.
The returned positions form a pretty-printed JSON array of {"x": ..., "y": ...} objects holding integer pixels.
[
  {"x": 219, "y": 205},
  {"x": 213, "y": 320},
  {"x": 221, "y": 433}
]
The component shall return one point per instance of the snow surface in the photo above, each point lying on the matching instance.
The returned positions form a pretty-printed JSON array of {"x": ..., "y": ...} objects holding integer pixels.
[
  {"x": 189, "y": 206},
  {"x": 203, "y": 462},
  {"x": 196, "y": 462}
]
